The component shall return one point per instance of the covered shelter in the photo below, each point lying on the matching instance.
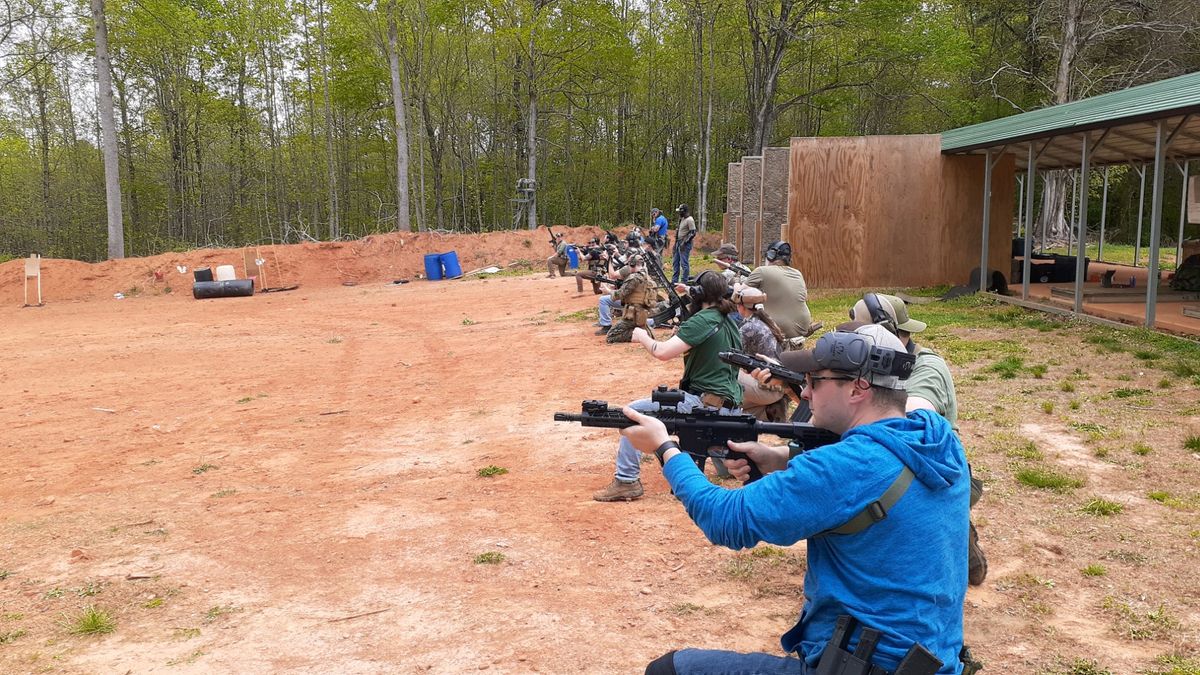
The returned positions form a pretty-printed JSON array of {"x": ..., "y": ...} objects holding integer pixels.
[{"x": 1156, "y": 124}]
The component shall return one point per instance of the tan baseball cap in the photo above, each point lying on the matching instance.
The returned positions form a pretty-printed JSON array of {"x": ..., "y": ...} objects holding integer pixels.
[{"x": 895, "y": 309}]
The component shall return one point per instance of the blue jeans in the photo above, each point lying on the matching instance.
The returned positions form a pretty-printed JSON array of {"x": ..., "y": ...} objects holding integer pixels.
[
  {"x": 682, "y": 260},
  {"x": 607, "y": 305},
  {"x": 629, "y": 460},
  {"x": 714, "y": 662}
]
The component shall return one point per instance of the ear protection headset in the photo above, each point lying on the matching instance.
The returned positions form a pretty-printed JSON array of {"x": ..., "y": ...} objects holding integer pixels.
[
  {"x": 854, "y": 353},
  {"x": 878, "y": 314},
  {"x": 696, "y": 290},
  {"x": 780, "y": 249}
]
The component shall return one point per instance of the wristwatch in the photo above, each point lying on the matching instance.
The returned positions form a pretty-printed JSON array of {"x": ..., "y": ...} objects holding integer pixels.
[{"x": 662, "y": 450}]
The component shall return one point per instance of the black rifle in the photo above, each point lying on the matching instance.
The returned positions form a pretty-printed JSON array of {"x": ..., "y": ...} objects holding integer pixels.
[
  {"x": 748, "y": 363},
  {"x": 553, "y": 239},
  {"x": 736, "y": 266},
  {"x": 677, "y": 308},
  {"x": 599, "y": 278},
  {"x": 703, "y": 431}
]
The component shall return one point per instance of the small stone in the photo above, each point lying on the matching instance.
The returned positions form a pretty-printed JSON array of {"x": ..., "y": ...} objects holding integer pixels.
[{"x": 646, "y": 590}]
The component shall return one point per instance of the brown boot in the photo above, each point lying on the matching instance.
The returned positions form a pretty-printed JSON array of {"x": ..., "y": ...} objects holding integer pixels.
[
  {"x": 976, "y": 560},
  {"x": 619, "y": 491}
]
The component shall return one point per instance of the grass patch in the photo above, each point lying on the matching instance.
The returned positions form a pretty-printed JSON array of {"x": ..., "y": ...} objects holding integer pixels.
[
  {"x": 467, "y": 321},
  {"x": 1101, "y": 507},
  {"x": 489, "y": 558},
  {"x": 335, "y": 340},
  {"x": 1047, "y": 479},
  {"x": 1155, "y": 624},
  {"x": 92, "y": 621},
  {"x": 245, "y": 399},
  {"x": 1074, "y": 404},
  {"x": 1028, "y": 451},
  {"x": 590, "y": 314},
  {"x": 1146, "y": 355},
  {"x": 1086, "y": 667},
  {"x": 1192, "y": 443},
  {"x": 4, "y": 574},
  {"x": 204, "y": 468},
  {"x": 1007, "y": 367},
  {"x": 1141, "y": 449},
  {"x": 684, "y": 609},
  {"x": 153, "y": 603},
  {"x": 491, "y": 470},
  {"x": 1066, "y": 386},
  {"x": 1177, "y": 664},
  {"x": 11, "y": 635},
  {"x": 1038, "y": 371},
  {"x": 1094, "y": 570},
  {"x": 1047, "y": 407},
  {"x": 53, "y": 593},
  {"x": 1165, "y": 383},
  {"x": 217, "y": 611},
  {"x": 1129, "y": 392},
  {"x": 224, "y": 493},
  {"x": 185, "y": 634}
]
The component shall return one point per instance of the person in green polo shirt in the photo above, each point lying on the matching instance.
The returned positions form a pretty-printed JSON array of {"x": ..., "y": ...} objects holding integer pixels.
[{"x": 707, "y": 381}]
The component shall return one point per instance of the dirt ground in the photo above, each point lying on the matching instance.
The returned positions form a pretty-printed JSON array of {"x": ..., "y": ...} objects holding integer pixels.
[{"x": 291, "y": 483}]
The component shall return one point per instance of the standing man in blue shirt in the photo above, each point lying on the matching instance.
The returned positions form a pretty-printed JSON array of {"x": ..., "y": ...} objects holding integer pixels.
[
  {"x": 658, "y": 231},
  {"x": 884, "y": 513}
]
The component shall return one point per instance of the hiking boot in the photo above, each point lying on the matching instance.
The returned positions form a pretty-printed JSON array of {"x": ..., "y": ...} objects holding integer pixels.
[
  {"x": 619, "y": 491},
  {"x": 603, "y": 330},
  {"x": 976, "y": 560}
]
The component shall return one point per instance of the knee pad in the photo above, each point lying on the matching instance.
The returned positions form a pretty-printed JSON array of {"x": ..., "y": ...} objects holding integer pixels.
[{"x": 663, "y": 665}]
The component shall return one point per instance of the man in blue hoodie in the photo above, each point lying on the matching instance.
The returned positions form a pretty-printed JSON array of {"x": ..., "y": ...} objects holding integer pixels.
[{"x": 903, "y": 573}]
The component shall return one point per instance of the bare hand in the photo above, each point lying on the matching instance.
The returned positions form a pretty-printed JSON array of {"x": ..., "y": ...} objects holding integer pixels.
[
  {"x": 681, "y": 289},
  {"x": 766, "y": 457},
  {"x": 648, "y": 434},
  {"x": 640, "y": 335}
]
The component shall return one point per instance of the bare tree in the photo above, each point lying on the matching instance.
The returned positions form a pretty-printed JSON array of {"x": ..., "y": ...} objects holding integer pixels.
[
  {"x": 108, "y": 131},
  {"x": 403, "y": 221}
]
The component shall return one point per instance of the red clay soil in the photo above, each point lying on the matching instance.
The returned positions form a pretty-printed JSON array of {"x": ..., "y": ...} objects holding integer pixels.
[{"x": 291, "y": 482}]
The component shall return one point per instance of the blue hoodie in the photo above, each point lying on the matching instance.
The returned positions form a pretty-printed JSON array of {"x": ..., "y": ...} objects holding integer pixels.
[{"x": 905, "y": 575}]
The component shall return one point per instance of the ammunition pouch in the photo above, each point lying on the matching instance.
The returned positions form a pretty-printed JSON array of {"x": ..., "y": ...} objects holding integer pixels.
[{"x": 837, "y": 660}]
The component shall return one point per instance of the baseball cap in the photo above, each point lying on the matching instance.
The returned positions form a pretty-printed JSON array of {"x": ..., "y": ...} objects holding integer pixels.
[
  {"x": 726, "y": 251},
  {"x": 748, "y": 295},
  {"x": 869, "y": 351},
  {"x": 895, "y": 309}
]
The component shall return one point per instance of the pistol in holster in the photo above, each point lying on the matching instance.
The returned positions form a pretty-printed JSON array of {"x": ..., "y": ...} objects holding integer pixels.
[{"x": 838, "y": 660}]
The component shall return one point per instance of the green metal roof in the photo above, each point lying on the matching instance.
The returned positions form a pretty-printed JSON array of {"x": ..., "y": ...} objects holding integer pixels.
[{"x": 1137, "y": 105}]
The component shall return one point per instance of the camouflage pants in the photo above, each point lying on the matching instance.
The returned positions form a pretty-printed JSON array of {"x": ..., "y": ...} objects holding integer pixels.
[{"x": 622, "y": 331}]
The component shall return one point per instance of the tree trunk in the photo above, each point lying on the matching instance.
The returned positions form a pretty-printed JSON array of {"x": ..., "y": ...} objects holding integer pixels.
[
  {"x": 1053, "y": 225},
  {"x": 403, "y": 222},
  {"x": 335, "y": 230},
  {"x": 531, "y": 151},
  {"x": 108, "y": 125}
]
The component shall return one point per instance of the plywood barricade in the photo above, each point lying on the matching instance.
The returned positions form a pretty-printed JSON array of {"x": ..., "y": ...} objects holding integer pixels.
[
  {"x": 751, "y": 205},
  {"x": 773, "y": 206},
  {"x": 892, "y": 211},
  {"x": 1193, "y": 209},
  {"x": 733, "y": 202}
]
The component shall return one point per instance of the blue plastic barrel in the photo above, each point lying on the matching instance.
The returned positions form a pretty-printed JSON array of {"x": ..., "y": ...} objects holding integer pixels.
[
  {"x": 573, "y": 257},
  {"x": 433, "y": 266},
  {"x": 450, "y": 263}
]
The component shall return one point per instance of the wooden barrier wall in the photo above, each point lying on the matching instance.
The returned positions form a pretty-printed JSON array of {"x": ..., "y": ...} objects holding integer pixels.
[
  {"x": 1193, "y": 209},
  {"x": 751, "y": 203},
  {"x": 733, "y": 202},
  {"x": 892, "y": 211},
  {"x": 776, "y": 170}
]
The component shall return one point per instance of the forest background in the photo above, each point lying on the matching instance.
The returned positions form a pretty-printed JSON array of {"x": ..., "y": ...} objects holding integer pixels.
[{"x": 246, "y": 121}]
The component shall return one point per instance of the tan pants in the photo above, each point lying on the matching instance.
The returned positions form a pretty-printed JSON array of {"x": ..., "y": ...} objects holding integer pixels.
[
  {"x": 556, "y": 261},
  {"x": 755, "y": 398},
  {"x": 587, "y": 274}
]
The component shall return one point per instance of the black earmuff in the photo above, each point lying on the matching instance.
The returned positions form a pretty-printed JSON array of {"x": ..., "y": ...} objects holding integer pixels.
[{"x": 878, "y": 314}]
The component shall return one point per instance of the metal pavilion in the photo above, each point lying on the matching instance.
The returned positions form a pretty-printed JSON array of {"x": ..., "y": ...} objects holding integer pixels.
[{"x": 1154, "y": 124}]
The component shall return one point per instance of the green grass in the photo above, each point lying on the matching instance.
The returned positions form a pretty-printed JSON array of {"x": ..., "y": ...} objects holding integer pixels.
[
  {"x": 489, "y": 558},
  {"x": 1066, "y": 386},
  {"x": 1085, "y": 667},
  {"x": 1141, "y": 449},
  {"x": 1177, "y": 665},
  {"x": 203, "y": 468},
  {"x": 1047, "y": 407},
  {"x": 1028, "y": 451},
  {"x": 1047, "y": 479},
  {"x": 224, "y": 493},
  {"x": 153, "y": 603},
  {"x": 1008, "y": 367},
  {"x": 588, "y": 314},
  {"x": 1101, "y": 507},
  {"x": 467, "y": 321},
  {"x": 1192, "y": 443},
  {"x": 491, "y": 470},
  {"x": 1123, "y": 253},
  {"x": 1129, "y": 392},
  {"x": 217, "y": 611},
  {"x": 92, "y": 621},
  {"x": 1094, "y": 570}
]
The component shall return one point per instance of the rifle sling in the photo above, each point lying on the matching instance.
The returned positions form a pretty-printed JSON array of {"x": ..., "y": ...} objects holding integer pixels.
[{"x": 876, "y": 510}]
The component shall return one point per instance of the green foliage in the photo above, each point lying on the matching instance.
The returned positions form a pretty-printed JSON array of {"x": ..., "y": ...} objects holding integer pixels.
[
  {"x": 1101, "y": 507},
  {"x": 92, "y": 620},
  {"x": 1008, "y": 367},
  {"x": 1192, "y": 443},
  {"x": 1047, "y": 479},
  {"x": 489, "y": 558},
  {"x": 491, "y": 470},
  {"x": 1094, "y": 570},
  {"x": 203, "y": 468}
]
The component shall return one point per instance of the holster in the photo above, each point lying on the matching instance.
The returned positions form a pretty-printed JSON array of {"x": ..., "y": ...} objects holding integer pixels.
[{"x": 837, "y": 660}]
